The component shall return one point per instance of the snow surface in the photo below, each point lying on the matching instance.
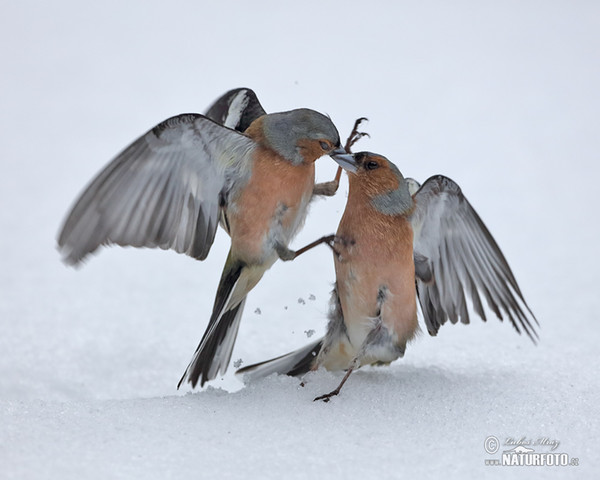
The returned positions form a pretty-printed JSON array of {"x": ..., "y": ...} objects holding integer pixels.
[{"x": 500, "y": 96}]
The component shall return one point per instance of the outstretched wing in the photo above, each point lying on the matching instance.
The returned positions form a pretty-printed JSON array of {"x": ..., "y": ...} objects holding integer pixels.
[
  {"x": 236, "y": 109},
  {"x": 455, "y": 256},
  {"x": 164, "y": 190}
]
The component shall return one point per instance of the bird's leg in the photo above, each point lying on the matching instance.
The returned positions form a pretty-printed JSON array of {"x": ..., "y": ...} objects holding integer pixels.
[
  {"x": 286, "y": 254},
  {"x": 328, "y": 189},
  {"x": 333, "y": 393}
]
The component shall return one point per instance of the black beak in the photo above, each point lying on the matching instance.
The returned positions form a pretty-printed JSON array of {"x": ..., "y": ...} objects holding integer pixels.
[{"x": 344, "y": 160}]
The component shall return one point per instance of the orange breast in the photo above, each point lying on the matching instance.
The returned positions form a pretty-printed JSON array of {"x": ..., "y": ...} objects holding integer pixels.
[
  {"x": 379, "y": 256},
  {"x": 272, "y": 205}
]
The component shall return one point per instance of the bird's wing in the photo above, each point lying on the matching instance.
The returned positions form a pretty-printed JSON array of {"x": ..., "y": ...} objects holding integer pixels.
[
  {"x": 236, "y": 109},
  {"x": 455, "y": 257},
  {"x": 164, "y": 190}
]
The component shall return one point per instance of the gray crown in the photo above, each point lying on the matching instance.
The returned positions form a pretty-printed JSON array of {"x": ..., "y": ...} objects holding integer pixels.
[{"x": 284, "y": 130}]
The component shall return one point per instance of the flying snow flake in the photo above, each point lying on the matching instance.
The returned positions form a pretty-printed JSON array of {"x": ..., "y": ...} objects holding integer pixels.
[{"x": 238, "y": 363}]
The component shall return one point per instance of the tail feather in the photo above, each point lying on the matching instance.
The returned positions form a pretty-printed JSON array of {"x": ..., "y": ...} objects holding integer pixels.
[
  {"x": 224, "y": 348},
  {"x": 294, "y": 363},
  {"x": 214, "y": 351}
]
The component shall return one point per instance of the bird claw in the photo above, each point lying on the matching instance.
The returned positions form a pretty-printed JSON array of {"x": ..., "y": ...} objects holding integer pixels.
[
  {"x": 355, "y": 135},
  {"x": 355, "y": 363},
  {"x": 327, "y": 397},
  {"x": 341, "y": 243},
  {"x": 331, "y": 243}
]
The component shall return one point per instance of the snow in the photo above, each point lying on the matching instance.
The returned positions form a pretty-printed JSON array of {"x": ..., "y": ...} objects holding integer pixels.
[{"x": 500, "y": 96}]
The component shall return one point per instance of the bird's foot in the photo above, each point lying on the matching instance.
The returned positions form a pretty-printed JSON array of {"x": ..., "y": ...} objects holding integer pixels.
[
  {"x": 327, "y": 396},
  {"x": 355, "y": 135},
  {"x": 340, "y": 246}
]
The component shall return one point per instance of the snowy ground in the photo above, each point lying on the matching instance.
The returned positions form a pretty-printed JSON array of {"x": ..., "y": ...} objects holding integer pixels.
[{"x": 500, "y": 96}]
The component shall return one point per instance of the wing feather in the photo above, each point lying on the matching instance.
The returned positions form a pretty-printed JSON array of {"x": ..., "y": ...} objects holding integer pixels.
[
  {"x": 236, "y": 109},
  {"x": 162, "y": 191},
  {"x": 457, "y": 257}
]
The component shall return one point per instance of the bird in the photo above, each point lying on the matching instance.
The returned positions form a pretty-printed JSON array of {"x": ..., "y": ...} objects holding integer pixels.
[
  {"x": 175, "y": 184},
  {"x": 399, "y": 242}
]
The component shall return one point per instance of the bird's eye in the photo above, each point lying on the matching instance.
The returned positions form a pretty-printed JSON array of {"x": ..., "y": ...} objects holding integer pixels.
[
  {"x": 324, "y": 145},
  {"x": 371, "y": 165}
]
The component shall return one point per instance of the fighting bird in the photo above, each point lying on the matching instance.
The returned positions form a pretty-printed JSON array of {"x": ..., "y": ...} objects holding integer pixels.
[
  {"x": 395, "y": 234},
  {"x": 172, "y": 186}
]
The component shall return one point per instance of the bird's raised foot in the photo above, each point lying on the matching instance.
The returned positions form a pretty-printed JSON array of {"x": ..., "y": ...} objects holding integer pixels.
[
  {"x": 286, "y": 254},
  {"x": 355, "y": 135},
  {"x": 339, "y": 245}
]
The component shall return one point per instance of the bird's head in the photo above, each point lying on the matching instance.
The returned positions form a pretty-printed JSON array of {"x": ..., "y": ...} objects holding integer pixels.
[
  {"x": 380, "y": 181},
  {"x": 301, "y": 136}
]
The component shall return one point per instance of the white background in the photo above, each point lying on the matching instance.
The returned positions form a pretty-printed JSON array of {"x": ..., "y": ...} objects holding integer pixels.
[{"x": 500, "y": 96}]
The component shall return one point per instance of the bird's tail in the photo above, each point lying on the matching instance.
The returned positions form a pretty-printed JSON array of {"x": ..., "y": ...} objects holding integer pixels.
[
  {"x": 295, "y": 363},
  {"x": 214, "y": 351}
]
